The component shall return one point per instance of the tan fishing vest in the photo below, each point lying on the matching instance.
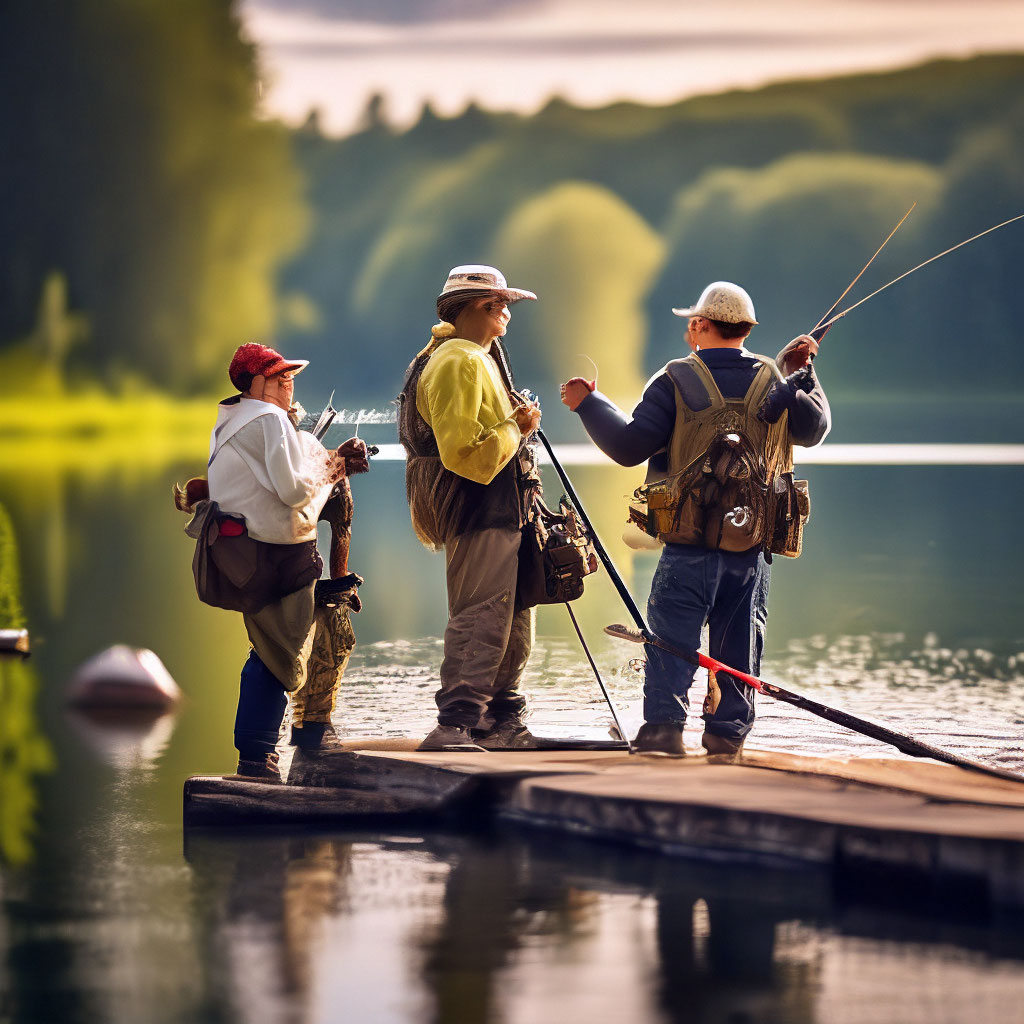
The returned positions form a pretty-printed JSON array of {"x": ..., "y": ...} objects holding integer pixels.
[{"x": 724, "y": 463}]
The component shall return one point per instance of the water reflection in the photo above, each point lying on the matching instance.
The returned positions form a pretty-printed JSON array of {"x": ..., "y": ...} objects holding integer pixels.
[
  {"x": 887, "y": 555},
  {"x": 898, "y": 610},
  {"x": 25, "y": 752},
  {"x": 128, "y": 739},
  {"x": 470, "y": 928}
]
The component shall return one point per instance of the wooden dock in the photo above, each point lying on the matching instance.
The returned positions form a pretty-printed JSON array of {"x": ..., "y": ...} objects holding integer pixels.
[{"x": 911, "y": 821}]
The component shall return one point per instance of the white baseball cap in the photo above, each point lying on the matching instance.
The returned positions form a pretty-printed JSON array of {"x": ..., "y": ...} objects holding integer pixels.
[
  {"x": 475, "y": 277},
  {"x": 722, "y": 300}
]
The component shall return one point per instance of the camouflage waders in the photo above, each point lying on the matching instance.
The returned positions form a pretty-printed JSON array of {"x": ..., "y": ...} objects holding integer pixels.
[{"x": 333, "y": 643}]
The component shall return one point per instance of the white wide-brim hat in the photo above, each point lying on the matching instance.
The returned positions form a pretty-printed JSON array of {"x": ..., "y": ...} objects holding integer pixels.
[
  {"x": 474, "y": 277},
  {"x": 722, "y": 300}
]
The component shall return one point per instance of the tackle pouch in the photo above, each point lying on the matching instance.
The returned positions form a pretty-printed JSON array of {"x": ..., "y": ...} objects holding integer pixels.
[
  {"x": 792, "y": 510},
  {"x": 235, "y": 571},
  {"x": 555, "y": 554},
  {"x": 670, "y": 515},
  {"x": 719, "y": 501}
]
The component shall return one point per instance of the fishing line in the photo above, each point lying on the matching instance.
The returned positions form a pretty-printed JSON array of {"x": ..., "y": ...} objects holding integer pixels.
[
  {"x": 832, "y": 309},
  {"x": 995, "y": 227}
]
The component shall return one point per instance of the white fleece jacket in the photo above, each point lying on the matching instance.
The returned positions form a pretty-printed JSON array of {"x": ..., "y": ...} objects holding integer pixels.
[{"x": 267, "y": 471}]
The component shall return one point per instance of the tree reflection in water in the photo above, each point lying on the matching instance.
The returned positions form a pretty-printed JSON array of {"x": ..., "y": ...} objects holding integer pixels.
[{"x": 25, "y": 752}]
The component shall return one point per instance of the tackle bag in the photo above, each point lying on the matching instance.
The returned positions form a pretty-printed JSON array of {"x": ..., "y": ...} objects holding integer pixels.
[
  {"x": 792, "y": 510},
  {"x": 722, "y": 501},
  {"x": 235, "y": 571},
  {"x": 555, "y": 554}
]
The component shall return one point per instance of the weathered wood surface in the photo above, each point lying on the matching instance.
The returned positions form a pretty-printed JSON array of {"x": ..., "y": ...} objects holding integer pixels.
[
  {"x": 904, "y": 818},
  {"x": 342, "y": 787}
]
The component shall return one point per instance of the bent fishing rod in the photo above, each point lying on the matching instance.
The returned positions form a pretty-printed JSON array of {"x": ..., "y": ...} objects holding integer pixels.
[
  {"x": 860, "y": 274},
  {"x": 643, "y": 634},
  {"x": 823, "y": 325}
]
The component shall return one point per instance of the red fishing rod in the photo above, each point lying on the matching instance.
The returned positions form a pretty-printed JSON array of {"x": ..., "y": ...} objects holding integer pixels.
[
  {"x": 902, "y": 741},
  {"x": 644, "y": 635}
]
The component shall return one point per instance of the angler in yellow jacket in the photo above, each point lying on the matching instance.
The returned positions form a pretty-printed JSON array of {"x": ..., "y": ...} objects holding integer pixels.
[{"x": 470, "y": 477}]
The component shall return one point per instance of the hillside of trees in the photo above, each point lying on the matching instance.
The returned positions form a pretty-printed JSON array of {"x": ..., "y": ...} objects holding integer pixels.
[
  {"x": 615, "y": 215},
  {"x": 155, "y": 221}
]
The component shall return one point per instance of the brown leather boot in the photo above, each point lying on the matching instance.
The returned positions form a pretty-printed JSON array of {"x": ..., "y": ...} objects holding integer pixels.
[
  {"x": 660, "y": 738},
  {"x": 266, "y": 770},
  {"x": 450, "y": 737},
  {"x": 724, "y": 746},
  {"x": 510, "y": 735}
]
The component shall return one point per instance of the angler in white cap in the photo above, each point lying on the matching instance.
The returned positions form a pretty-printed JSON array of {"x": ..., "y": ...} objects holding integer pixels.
[
  {"x": 718, "y": 427},
  {"x": 470, "y": 477}
]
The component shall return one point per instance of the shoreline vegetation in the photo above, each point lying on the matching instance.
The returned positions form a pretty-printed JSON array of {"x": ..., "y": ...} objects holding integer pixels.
[{"x": 95, "y": 430}]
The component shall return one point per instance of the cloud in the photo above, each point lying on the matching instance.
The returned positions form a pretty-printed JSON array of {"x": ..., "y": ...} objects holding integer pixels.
[
  {"x": 532, "y": 45},
  {"x": 399, "y": 12}
]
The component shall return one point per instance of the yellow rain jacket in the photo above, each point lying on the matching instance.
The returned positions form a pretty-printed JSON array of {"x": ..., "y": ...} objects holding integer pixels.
[{"x": 463, "y": 399}]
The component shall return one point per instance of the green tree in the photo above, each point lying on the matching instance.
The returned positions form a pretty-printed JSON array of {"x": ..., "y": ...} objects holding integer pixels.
[
  {"x": 396, "y": 210},
  {"x": 144, "y": 175},
  {"x": 793, "y": 234},
  {"x": 591, "y": 260}
]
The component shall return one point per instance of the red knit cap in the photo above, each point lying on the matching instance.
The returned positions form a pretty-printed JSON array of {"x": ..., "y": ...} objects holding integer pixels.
[{"x": 252, "y": 359}]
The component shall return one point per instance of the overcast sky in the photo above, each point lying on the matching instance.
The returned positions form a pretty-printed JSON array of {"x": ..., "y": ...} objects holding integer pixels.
[{"x": 517, "y": 54}]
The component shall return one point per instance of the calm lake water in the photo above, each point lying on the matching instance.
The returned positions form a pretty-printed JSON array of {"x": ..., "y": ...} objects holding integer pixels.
[{"x": 905, "y": 607}]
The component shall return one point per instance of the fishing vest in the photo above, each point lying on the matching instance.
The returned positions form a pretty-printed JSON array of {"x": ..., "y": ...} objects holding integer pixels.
[
  {"x": 729, "y": 472},
  {"x": 444, "y": 505}
]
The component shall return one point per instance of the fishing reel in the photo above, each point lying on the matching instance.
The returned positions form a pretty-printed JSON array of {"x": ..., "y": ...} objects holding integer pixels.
[
  {"x": 530, "y": 397},
  {"x": 802, "y": 379}
]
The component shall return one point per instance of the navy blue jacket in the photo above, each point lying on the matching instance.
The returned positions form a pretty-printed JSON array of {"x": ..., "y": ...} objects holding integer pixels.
[{"x": 632, "y": 440}]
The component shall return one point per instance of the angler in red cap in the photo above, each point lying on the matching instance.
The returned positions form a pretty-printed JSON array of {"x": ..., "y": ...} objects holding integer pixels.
[{"x": 268, "y": 483}]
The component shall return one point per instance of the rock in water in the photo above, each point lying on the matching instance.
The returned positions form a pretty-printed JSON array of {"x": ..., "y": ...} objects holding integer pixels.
[{"x": 124, "y": 677}]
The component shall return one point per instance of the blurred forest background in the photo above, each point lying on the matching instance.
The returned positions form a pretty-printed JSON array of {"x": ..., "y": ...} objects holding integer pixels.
[{"x": 153, "y": 220}]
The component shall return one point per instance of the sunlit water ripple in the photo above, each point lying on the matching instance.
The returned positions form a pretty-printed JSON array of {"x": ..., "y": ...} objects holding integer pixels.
[{"x": 963, "y": 700}]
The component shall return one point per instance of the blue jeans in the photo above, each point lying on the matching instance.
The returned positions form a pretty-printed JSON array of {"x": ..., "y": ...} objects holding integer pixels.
[
  {"x": 261, "y": 705},
  {"x": 728, "y": 591}
]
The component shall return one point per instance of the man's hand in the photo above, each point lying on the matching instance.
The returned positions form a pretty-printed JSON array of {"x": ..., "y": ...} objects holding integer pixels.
[
  {"x": 796, "y": 354},
  {"x": 527, "y": 418},
  {"x": 575, "y": 390},
  {"x": 353, "y": 451}
]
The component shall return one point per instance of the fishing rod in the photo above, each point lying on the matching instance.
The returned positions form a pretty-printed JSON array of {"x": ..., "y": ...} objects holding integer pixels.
[
  {"x": 602, "y": 553},
  {"x": 903, "y": 742},
  {"x": 835, "y": 305},
  {"x": 623, "y": 735},
  {"x": 609, "y": 565},
  {"x": 643, "y": 634},
  {"x": 823, "y": 327},
  {"x": 498, "y": 351}
]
